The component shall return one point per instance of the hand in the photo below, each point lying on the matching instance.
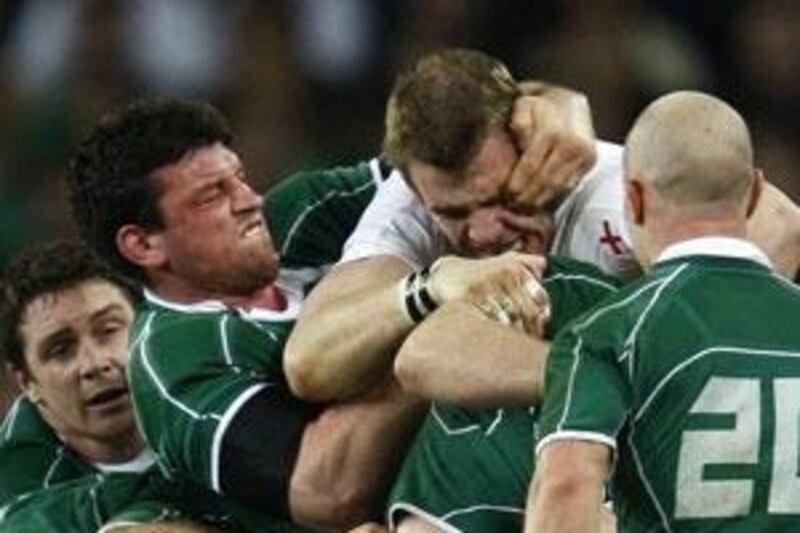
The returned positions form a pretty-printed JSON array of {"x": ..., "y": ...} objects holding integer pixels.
[
  {"x": 505, "y": 287},
  {"x": 554, "y": 134}
]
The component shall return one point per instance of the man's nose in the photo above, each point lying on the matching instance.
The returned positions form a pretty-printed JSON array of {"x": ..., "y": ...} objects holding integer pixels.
[
  {"x": 94, "y": 360},
  {"x": 487, "y": 230},
  {"x": 245, "y": 198}
]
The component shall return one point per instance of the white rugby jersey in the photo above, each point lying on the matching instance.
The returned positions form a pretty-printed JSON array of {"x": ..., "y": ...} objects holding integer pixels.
[{"x": 590, "y": 223}]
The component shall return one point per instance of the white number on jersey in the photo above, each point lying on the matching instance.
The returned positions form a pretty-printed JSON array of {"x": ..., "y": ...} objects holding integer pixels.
[{"x": 696, "y": 497}]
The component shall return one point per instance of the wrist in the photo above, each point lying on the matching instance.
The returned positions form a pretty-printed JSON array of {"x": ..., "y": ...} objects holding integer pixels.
[{"x": 415, "y": 297}]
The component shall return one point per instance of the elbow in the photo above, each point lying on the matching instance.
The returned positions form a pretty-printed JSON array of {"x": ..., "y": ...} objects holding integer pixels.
[
  {"x": 410, "y": 368},
  {"x": 304, "y": 372},
  {"x": 342, "y": 509}
]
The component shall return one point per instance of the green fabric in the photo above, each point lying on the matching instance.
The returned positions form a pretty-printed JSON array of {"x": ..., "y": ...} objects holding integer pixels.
[
  {"x": 469, "y": 469},
  {"x": 192, "y": 367},
  {"x": 31, "y": 455},
  {"x": 694, "y": 372}
]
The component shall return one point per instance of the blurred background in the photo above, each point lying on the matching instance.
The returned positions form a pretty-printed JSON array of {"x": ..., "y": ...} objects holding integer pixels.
[{"x": 304, "y": 82}]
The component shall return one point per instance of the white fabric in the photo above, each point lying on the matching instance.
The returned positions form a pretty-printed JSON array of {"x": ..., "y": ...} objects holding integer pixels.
[
  {"x": 138, "y": 464},
  {"x": 396, "y": 223},
  {"x": 717, "y": 247}
]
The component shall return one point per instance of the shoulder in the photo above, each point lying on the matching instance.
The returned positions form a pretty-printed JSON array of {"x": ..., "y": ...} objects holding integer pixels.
[{"x": 310, "y": 214}]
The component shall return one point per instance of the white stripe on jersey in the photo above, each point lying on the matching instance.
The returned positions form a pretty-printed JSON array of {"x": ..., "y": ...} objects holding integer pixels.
[
  {"x": 576, "y": 354},
  {"x": 648, "y": 487},
  {"x": 11, "y": 418},
  {"x": 98, "y": 517},
  {"x": 311, "y": 207},
  {"x": 483, "y": 507},
  {"x": 52, "y": 469},
  {"x": 412, "y": 509},
  {"x": 580, "y": 277},
  {"x": 591, "y": 436},
  {"x": 631, "y": 340},
  {"x": 226, "y": 351},
  {"x": 160, "y": 386},
  {"x": 219, "y": 432},
  {"x": 739, "y": 350}
]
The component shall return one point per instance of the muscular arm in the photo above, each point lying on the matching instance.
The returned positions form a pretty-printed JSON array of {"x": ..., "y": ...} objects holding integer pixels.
[
  {"x": 354, "y": 321},
  {"x": 348, "y": 456},
  {"x": 567, "y": 490},
  {"x": 459, "y": 356},
  {"x": 348, "y": 330}
]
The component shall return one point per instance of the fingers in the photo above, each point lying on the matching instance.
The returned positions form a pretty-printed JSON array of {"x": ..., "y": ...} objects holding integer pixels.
[
  {"x": 519, "y": 301},
  {"x": 553, "y": 156}
]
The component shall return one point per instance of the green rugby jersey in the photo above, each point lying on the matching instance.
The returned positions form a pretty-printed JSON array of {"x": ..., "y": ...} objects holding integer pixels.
[
  {"x": 469, "y": 469},
  {"x": 192, "y": 367},
  {"x": 692, "y": 374},
  {"x": 32, "y": 457},
  {"x": 88, "y": 503}
]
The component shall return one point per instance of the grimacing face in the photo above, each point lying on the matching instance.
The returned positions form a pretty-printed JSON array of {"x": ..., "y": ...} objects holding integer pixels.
[
  {"x": 75, "y": 348},
  {"x": 470, "y": 210},
  {"x": 215, "y": 237}
]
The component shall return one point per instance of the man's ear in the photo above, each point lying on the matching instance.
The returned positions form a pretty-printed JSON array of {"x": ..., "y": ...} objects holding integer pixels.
[
  {"x": 27, "y": 385},
  {"x": 141, "y": 247},
  {"x": 756, "y": 187},
  {"x": 634, "y": 200}
]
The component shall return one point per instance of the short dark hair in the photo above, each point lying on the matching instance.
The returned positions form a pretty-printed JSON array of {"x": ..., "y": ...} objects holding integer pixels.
[
  {"x": 109, "y": 174},
  {"x": 46, "y": 269},
  {"x": 441, "y": 108}
]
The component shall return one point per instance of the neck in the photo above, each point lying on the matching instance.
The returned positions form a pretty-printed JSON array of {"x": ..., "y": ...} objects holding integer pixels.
[
  {"x": 111, "y": 451},
  {"x": 268, "y": 296},
  {"x": 672, "y": 232}
]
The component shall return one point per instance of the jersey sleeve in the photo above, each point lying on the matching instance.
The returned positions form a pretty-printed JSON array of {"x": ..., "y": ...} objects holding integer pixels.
[
  {"x": 395, "y": 223},
  {"x": 586, "y": 396},
  {"x": 574, "y": 287},
  {"x": 311, "y": 214},
  {"x": 193, "y": 378}
]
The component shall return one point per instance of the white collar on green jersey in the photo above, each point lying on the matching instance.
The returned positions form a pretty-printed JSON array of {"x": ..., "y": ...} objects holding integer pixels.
[
  {"x": 138, "y": 464},
  {"x": 717, "y": 247},
  {"x": 291, "y": 282}
]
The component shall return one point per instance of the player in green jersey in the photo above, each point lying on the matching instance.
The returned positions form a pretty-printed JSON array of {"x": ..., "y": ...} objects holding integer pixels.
[
  {"x": 683, "y": 386},
  {"x": 64, "y": 321},
  {"x": 468, "y": 469},
  {"x": 158, "y": 190}
]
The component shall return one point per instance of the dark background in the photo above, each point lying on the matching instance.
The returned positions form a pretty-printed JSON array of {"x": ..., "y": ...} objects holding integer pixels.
[{"x": 303, "y": 82}]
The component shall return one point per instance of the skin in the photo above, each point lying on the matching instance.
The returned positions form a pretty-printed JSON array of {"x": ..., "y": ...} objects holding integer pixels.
[
  {"x": 554, "y": 146},
  {"x": 477, "y": 226},
  {"x": 685, "y": 179},
  {"x": 214, "y": 244},
  {"x": 471, "y": 210},
  {"x": 75, "y": 353}
]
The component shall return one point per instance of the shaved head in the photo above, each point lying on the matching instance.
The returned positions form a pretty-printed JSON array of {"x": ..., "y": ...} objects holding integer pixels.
[{"x": 692, "y": 148}]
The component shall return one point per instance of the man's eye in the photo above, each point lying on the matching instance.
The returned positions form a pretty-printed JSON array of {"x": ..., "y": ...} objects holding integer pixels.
[
  {"x": 109, "y": 329},
  {"x": 211, "y": 195},
  {"x": 453, "y": 215},
  {"x": 60, "y": 350}
]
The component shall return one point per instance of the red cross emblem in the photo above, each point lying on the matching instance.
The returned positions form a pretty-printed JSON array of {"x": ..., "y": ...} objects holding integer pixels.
[{"x": 611, "y": 240}]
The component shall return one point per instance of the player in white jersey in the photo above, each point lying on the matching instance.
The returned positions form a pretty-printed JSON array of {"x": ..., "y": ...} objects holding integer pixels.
[
  {"x": 589, "y": 223},
  {"x": 455, "y": 198}
]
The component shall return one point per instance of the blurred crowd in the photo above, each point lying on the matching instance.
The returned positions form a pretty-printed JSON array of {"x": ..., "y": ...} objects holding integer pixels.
[{"x": 304, "y": 81}]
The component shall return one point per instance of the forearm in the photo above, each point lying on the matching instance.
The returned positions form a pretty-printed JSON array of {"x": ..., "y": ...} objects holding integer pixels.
[
  {"x": 345, "y": 339},
  {"x": 459, "y": 356},
  {"x": 348, "y": 458},
  {"x": 566, "y": 494},
  {"x": 573, "y": 511}
]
